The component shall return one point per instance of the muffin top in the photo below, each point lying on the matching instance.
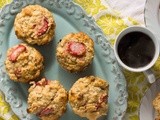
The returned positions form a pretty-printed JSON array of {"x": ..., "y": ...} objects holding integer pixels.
[
  {"x": 47, "y": 99},
  {"x": 75, "y": 51},
  {"x": 35, "y": 25},
  {"x": 88, "y": 97},
  {"x": 23, "y": 63},
  {"x": 156, "y": 105}
]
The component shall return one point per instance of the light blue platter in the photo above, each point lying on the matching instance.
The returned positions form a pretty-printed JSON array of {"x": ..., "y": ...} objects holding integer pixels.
[{"x": 69, "y": 18}]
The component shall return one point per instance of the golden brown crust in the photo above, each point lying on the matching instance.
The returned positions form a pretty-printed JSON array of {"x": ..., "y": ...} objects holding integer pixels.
[
  {"x": 88, "y": 97},
  {"x": 156, "y": 105},
  {"x": 74, "y": 63},
  {"x": 47, "y": 99},
  {"x": 35, "y": 25},
  {"x": 28, "y": 64}
]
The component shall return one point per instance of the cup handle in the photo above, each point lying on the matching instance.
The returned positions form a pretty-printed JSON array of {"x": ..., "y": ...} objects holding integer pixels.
[{"x": 150, "y": 76}]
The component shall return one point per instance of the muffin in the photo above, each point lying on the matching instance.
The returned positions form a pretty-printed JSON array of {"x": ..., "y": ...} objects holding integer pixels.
[
  {"x": 75, "y": 51},
  {"x": 156, "y": 105},
  {"x": 88, "y": 97},
  {"x": 23, "y": 63},
  {"x": 47, "y": 99},
  {"x": 35, "y": 25}
]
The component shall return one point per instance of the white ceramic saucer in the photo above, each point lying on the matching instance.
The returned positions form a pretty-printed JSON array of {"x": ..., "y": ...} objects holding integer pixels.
[{"x": 147, "y": 111}]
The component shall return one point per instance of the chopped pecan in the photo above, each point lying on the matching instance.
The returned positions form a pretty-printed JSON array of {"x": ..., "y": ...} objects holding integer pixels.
[
  {"x": 17, "y": 72},
  {"x": 102, "y": 99}
]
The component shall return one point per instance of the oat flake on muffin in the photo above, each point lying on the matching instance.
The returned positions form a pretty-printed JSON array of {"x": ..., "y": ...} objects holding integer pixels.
[
  {"x": 88, "y": 97},
  {"x": 75, "y": 51},
  {"x": 47, "y": 99},
  {"x": 23, "y": 63},
  {"x": 35, "y": 25}
]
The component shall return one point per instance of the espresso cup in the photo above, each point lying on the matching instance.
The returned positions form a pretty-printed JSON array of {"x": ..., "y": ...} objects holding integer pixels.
[{"x": 137, "y": 49}]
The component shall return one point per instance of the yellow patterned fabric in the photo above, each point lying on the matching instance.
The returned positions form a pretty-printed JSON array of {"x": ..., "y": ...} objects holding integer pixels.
[
  {"x": 112, "y": 23},
  {"x": 4, "y": 2},
  {"x": 5, "y": 110}
]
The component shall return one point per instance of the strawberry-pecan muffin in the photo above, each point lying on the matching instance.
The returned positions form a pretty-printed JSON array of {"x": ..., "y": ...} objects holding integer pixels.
[
  {"x": 75, "y": 51},
  {"x": 47, "y": 99},
  {"x": 35, "y": 25},
  {"x": 156, "y": 105},
  {"x": 88, "y": 97},
  {"x": 23, "y": 63}
]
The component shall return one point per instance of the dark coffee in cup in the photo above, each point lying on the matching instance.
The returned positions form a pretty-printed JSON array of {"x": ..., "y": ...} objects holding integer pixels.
[{"x": 136, "y": 49}]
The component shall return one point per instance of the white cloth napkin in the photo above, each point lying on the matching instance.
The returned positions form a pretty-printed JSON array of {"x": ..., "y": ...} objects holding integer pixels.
[{"x": 132, "y": 8}]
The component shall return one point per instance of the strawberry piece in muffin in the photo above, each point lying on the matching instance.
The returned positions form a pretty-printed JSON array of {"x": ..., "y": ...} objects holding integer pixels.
[
  {"x": 76, "y": 48},
  {"x": 44, "y": 27},
  {"x": 47, "y": 101},
  {"x": 75, "y": 52},
  {"x": 35, "y": 25},
  {"x": 88, "y": 97},
  {"x": 23, "y": 63},
  {"x": 16, "y": 52}
]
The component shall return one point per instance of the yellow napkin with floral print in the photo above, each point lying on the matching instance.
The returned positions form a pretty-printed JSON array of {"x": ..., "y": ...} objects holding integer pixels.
[
  {"x": 4, "y": 2},
  {"x": 5, "y": 110},
  {"x": 112, "y": 22}
]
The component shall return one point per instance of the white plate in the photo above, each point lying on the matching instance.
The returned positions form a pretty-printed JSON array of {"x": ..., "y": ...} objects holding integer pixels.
[
  {"x": 147, "y": 111},
  {"x": 152, "y": 17}
]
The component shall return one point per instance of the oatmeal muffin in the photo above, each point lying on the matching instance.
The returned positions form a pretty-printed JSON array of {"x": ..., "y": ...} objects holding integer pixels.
[
  {"x": 23, "y": 63},
  {"x": 156, "y": 105},
  {"x": 35, "y": 25},
  {"x": 88, "y": 97},
  {"x": 47, "y": 99},
  {"x": 75, "y": 51}
]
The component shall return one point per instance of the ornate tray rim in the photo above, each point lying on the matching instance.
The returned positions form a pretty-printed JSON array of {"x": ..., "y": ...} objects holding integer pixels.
[{"x": 79, "y": 14}]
